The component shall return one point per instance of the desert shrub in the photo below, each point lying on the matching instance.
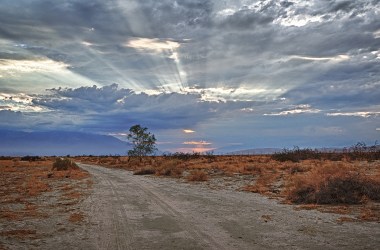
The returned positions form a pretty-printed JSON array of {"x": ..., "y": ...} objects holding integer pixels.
[
  {"x": 145, "y": 171},
  {"x": 333, "y": 156},
  {"x": 30, "y": 158},
  {"x": 333, "y": 185},
  {"x": 197, "y": 175},
  {"x": 7, "y": 157},
  {"x": 296, "y": 154},
  {"x": 61, "y": 164},
  {"x": 183, "y": 156},
  {"x": 296, "y": 169},
  {"x": 360, "y": 151},
  {"x": 170, "y": 167}
]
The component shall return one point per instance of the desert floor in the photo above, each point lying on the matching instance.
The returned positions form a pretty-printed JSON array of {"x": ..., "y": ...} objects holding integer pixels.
[{"x": 126, "y": 211}]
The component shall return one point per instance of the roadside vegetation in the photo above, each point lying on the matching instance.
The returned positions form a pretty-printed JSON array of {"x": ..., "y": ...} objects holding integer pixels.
[
  {"x": 328, "y": 181},
  {"x": 37, "y": 189}
]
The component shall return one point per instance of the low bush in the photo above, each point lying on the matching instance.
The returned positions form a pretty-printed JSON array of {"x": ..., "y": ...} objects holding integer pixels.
[
  {"x": 145, "y": 171},
  {"x": 333, "y": 185},
  {"x": 360, "y": 151},
  {"x": 183, "y": 156},
  {"x": 61, "y": 164},
  {"x": 170, "y": 167},
  {"x": 197, "y": 175},
  {"x": 30, "y": 158}
]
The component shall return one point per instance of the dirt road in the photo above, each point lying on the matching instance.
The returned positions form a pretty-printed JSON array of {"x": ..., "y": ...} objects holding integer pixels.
[{"x": 139, "y": 212}]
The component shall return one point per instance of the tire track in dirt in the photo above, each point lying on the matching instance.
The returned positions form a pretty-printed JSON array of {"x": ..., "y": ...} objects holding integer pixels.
[
  {"x": 115, "y": 232},
  {"x": 125, "y": 230},
  {"x": 187, "y": 224}
]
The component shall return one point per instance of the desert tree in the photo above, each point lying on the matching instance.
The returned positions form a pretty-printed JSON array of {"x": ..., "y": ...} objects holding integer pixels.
[{"x": 144, "y": 142}]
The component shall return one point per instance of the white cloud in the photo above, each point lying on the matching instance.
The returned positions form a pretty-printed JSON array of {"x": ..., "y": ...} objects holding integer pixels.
[
  {"x": 19, "y": 102},
  {"x": 376, "y": 34},
  {"x": 364, "y": 114},
  {"x": 13, "y": 67},
  {"x": 248, "y": 110},
  {"x": 299, "y": 109},
  {"x": 88, "y": 44},
  {"x": 153, "y": 45},
  {"x": 234, "y": 94},
  {"x": 188, "y": 131},
  {"x": 225, "y": 12},
  {"x": 337, "y": 58},
  {"x": 298, "y": 20}
]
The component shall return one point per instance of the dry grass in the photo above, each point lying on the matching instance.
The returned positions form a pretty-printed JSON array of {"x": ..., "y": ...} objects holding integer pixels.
[
  {"x": 77, "y": 217},
  {"x": 35, "y": 186},
  {"x": 333, "y": 184},
  {"x": 32, "y": 193},
  {"x": 19, "y": 233},
  {"x": 23, "y": 185},
  {"x": 72, "y": 195}
]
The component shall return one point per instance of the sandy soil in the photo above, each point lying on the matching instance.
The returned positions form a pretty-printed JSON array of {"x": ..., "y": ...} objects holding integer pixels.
[
  {"x": 125, "y": 211},
  {"x": 140, "y": 212}
]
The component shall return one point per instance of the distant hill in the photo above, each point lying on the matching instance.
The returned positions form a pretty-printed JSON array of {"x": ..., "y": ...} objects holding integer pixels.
[
  {"x": 16, "y": 143},
  {"x": 265, "y": 151},
  {"x": 256, "y": 151}
]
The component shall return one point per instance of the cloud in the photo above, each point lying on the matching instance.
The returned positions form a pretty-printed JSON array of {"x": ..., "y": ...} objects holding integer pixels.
[
  {"x": 188, "y": 131},
  {"x": 153, "y": 45},
  {"x": 19, "y": 102},
  {"x": 196, "y": 143},
  {"x": 10, "y": 67},
  {"x": 364, "y": 114},
  {"x": 300, "y": 109},
  {"x": 110, "y": 107},
  {"x": 337, "y": 58}
]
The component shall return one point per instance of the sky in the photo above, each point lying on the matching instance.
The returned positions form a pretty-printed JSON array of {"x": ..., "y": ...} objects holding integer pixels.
[{"x": 199, "y": 74}]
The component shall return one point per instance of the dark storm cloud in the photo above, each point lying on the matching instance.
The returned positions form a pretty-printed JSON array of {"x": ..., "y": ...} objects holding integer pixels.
[
  {"x": 110, "y": 108},
  {"x": 246, "y": 19},
  {"x": 49, "y": 20}
]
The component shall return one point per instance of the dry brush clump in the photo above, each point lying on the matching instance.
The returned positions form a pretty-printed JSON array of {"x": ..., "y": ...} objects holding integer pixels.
[
  {"x": 149, "y": 170},
  {"x": 62, "y": 164},
  {"x": 170, "y": 167},
  {"x": 197, "y": 175},
  {"x": 333, "y": 184}
]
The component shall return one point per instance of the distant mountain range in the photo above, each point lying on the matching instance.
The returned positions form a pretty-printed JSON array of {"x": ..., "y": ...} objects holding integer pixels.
[
  {"x": 266, "y": 151},
  {"x": 16, "y": 143},
  {"x": 256, "y": 151}
]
